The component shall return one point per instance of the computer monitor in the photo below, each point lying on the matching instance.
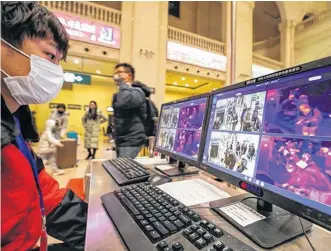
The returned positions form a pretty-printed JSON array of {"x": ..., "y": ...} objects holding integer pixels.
[
  {"x": 179, "y": 132},
  {"x": 271, "y": 136}
]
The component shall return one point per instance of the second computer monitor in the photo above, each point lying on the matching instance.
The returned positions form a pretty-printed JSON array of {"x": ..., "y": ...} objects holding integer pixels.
[{"x": 180, "y": 127}]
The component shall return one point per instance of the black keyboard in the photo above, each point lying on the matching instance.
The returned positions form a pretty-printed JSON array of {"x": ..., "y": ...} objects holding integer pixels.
[
  {"x": 149, "y": 219},
  {"x": 126, "y": 171}
]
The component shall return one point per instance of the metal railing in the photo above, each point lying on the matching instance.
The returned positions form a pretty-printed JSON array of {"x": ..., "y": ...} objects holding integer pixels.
[
  {"x": 86, "y": 9},
  {"x": 188, "y": 38},
  {"x": 313, "y": 20}
]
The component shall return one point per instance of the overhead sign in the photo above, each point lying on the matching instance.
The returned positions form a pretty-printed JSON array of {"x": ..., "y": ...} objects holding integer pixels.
[
  {"x": 77, "y": 78},
  {"x": 74, "y": 107},
  {"x": 258, "y": 71},
  {"x": 186, "y": 54},
  {"x": 88, "y": 31}
]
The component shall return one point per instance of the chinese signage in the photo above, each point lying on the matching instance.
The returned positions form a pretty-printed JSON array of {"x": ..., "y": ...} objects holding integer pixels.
[
  {"x": 90, "y": 31},
  {"x": 194, "y": 56},
  {"x": 258, "y": 71},
  {"x": 74, "y": 107},
  {"x": 77, "y": 78}
]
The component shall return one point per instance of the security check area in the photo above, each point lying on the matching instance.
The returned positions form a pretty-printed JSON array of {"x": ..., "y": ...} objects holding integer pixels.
[{"x": 262, "y": 148}]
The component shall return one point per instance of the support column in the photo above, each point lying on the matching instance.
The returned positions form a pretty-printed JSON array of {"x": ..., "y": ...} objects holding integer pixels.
[
  {"x": 226, "y": 37},
  {"x": 244, "y": 40},
  {"x": 287, "y": 32},
  {"x": 144, "y": 43}
]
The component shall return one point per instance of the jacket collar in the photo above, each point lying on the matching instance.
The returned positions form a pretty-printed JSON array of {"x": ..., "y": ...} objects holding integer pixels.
[{"x": 8, "y": 127}]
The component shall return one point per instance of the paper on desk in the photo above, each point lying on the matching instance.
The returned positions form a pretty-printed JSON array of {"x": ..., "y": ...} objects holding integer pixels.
[
  {"x": 242, "y": 214},
  {"x": 193, "y": 192},
  {"x": 151, "y": 161},
  {"x": 165, "y": 167}
]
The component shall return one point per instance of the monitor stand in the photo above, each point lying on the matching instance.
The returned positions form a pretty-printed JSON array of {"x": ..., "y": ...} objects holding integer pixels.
[
  {"x": 179, "y": 168},
  {"x": 278, "y": 227}
]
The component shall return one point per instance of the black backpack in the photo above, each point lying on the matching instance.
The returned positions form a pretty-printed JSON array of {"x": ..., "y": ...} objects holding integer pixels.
[{"x": 152, "y": 114}]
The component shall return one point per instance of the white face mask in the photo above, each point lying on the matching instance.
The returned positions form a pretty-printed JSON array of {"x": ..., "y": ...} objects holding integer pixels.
[{"x": 43, "y": 83}]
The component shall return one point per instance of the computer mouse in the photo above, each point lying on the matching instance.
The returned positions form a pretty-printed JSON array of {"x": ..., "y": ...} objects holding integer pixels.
[{"x": 158, "y": 179}]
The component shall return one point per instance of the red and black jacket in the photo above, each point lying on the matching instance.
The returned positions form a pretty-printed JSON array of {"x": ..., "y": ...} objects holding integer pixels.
[{"x": 20, "y": 209}]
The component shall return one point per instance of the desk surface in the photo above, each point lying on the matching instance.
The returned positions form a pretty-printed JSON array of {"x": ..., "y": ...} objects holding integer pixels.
[{"x": 102, "y": 235}]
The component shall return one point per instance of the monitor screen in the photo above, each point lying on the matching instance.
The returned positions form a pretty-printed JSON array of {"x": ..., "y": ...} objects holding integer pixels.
[
  {"x": 277, "y": 135},
  {"x": 180, "y": 127}
]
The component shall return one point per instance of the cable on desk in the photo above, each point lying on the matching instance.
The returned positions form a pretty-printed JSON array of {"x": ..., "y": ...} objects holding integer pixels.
[{"x": 303, "y": 230}]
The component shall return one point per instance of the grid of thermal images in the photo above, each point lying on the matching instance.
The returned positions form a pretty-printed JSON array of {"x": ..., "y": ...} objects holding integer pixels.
[
  {"x": 180, "y": 127},
  {"x": 280, "y": 136}
]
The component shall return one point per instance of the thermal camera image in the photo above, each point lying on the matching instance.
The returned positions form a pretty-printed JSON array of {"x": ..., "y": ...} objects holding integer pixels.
[{"x": 302, "y": 166}]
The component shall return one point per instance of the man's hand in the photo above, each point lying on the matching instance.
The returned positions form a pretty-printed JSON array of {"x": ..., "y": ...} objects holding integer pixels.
[{"x": 59, "y": 144}]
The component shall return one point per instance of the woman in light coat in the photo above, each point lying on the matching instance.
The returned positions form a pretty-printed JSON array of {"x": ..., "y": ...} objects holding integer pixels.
[
  {"x": 48, "y": 144},
  {"x": 91, "y": 122}
]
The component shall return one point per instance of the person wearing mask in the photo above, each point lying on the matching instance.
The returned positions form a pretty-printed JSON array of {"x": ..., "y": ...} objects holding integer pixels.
[
  {"x": 130, "y": 113},
  {"x": 61, "y": 115},
  {"x": 91, "y": 122},
  {"x": 33, "y": 42},
  {"x": 48, "y": 144}
]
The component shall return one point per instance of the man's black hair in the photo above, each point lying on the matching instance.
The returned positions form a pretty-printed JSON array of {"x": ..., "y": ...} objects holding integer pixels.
[
  {"x": 20, "y": 20},
  {"x": 129, "y": 68},
  {"x": 61, "y": 106}
]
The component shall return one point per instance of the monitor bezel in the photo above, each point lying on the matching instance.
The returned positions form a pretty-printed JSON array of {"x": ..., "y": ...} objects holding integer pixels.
[
  {"x": 174, "y": 155},
  {"x": 269, "y": 196}
]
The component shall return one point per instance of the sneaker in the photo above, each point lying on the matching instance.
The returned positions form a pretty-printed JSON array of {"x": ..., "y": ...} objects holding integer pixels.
[{"x": 59, "y": 172}]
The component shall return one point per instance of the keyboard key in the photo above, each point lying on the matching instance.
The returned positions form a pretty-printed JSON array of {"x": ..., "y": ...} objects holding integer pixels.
[
  {"x": 131, "y": 207},
  {"x": 172, "y": 218},
  {"x": 179, "y": 224},
  {"x": 195, "y": 217},
  {"x": 204, "y": 223},
  {"x": 154, "y": 236},
  {"x": 149, "y": 228},
  {"x": 187, "y": 232},
  {"x": 210, "y": 226},
  {"x": 200, "y": 243},
  {"x": 148, "y": 216},
  {"x": 227, "y": 248},
  {"x": 201, "y": 231},
  {"x": 152, "y": 219},
  {"x": 164, "y": 211},
  {"x": 177, "y": 246},
  {"x": 160, "y": 228},
  {"x": 139, "y": 217},
  {"x": 173, "y": 209},
  {"x": 168, "y": 215},
  {"x": 157, "y": 215},
  {"x": 162, "y": 245},
  {"x": 172, "y": 228},
  {"x": 218, "y": 246},
  {"x": 184, "y": 219},
  {"x": 144, "y": 222},
  {"x": 208, "y": 238},
  {"x": 176, "y": 213},
  {"x": 190, "y": 213},
  {"x": 217, "y": 232},
  {"x": 193, "y": 237},
  {"x": 194, "y": 227},
  {"x": 162, "y": 218}
]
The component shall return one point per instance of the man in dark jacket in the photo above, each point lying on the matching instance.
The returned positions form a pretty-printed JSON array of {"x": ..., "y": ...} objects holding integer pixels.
[
  {"x": 33, "y": 41},
  {"x": 130, "y": 109}
]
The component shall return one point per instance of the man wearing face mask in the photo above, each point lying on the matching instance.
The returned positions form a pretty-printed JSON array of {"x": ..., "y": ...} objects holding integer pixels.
[
  {"x": 61, "y": 115},
  {"x": 130, "y": 113},
  {"x": 33, "y": 41}
]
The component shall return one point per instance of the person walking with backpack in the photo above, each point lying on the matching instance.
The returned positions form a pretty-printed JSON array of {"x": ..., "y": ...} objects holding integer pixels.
[
  {"x": 130, "y": 112},
  {"x": 151, "y": 119}
]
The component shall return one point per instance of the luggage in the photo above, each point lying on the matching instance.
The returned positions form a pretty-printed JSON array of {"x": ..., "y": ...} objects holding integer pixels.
[
  {"x": 66, "y": 156},
  {"x": 72, "y": 134}
]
